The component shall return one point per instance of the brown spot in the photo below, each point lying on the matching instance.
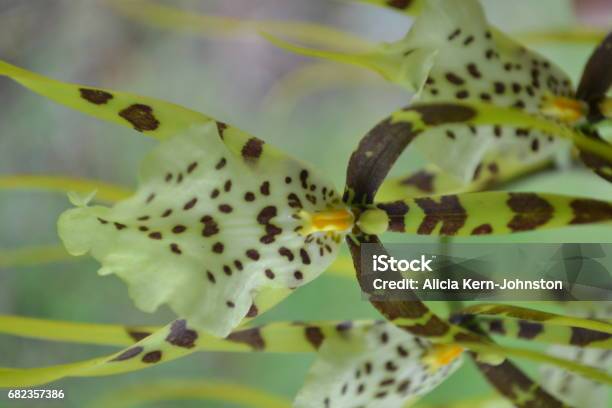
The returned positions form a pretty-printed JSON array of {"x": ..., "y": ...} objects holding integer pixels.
[
  {"x": 454, "y": 79},
  {"x": 152, "y": 357},
  {"x": 221, "y": 163},
  {"x": 119, "y": 226},
  {"x": 448, "y": 211},
  {"x": 192, "y": 167},
  {"x": 293, "y": 201},
  {"x": 251, "y": 337},
  {"x": 155, "y": 235},
  {"x": 211, "y": 277},
  {"x": 399, "y": 4},
  {"x": 265, "y": 188},
  {"x": 269, "y": 274},
  {"x": 531, "y": 211},
  {"x": 218, "y": 248},
  {"x": 433, "y": 327},
  {"x": 396, "y": 212},
  {"x": 129, "y": 353},
  {"x": 266, "y": 214},
  {"x": 221, "y": 128},
  {"x": 225, "y": 208},
  {"x": 583, "y": 337},
  {"x": 249, "y": 196},
  {"x": 252, "y": 149},
  {"x": 423, "y": 180},
  {"x": 499, "y": 87},
  {"x": 314, "y": 335},
  {"x": 286, "y": 252},
  {"x": 181, "y": 336},
  {"x": 253, "y": 311},
  {"x": 305, "y": 257},
  {"x": 227, "y": 186},
  {"x": 403, "y": 387},
  {"x": 140, "y": 116},
  {"x": 483, "y": 229},
  {"x": 473, "y": 70},
  {"x": 298, "y": 275},
  {"x": 497, "y": 326},
  {"x": 175, "y": 248},
  {"x": 190, "y": 204},
  {"x": 529, "y": 330},
  {"x": 95, "y": 96},
  {"x": 252, "y": 254},
  {"x": 210, "y": 226},
  {"x": 462, "y": 94},
  {"x": 435, "y": 114},
  {"x": 588, "y": 211},
  {"x": 166, "y": 213},
  {"x": 179, "y": 229},
  {"x": 454, "y": 34}
]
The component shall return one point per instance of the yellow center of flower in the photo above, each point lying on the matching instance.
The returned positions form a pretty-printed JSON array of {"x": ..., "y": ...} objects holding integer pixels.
[
  {"x": 336, "y": 220},
  {"x": 442, "y": 355},
  {"x": 565, "y": 109}
]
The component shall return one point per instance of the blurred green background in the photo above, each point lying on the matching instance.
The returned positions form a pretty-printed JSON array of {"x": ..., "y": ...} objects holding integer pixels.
[{"x": 231, "y": 79}]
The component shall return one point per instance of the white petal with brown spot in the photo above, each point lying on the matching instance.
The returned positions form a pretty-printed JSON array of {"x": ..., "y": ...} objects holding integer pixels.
[
  {"x": 373, "y": 366},
  {"x": 209, "y": 228}
]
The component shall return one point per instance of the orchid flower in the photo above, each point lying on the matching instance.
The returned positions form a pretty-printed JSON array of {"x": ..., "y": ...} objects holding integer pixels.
[
  {"x": 453, "y": 55},
  {"x": 223, "y": 226}
]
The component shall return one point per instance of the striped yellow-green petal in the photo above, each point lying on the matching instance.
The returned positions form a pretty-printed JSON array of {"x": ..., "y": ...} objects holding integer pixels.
[
  {"x": 483, "y": 213},
  {"x": 208, "y": 229},
  {"x": 535, "y": 325},
  {"x": 382, "y": 145},
  {"x": 378, "y": 366},
  {"x": 516, "y": 312},
  {"x": 493, "y": 173},
  {"x": 153, "y": 117},
  {"x": 164, "y": 16},
  {"x": 546, "y": 333},
  {"x": 145, "y": 348}
]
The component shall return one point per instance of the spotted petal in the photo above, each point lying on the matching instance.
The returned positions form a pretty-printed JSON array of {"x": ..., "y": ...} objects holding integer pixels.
[
  {"x": 376, "y": 366},
  {"x": 462, "y": 58},
  {"x": 208, "y": 228},
  {"x": 476, "y": 62}
]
